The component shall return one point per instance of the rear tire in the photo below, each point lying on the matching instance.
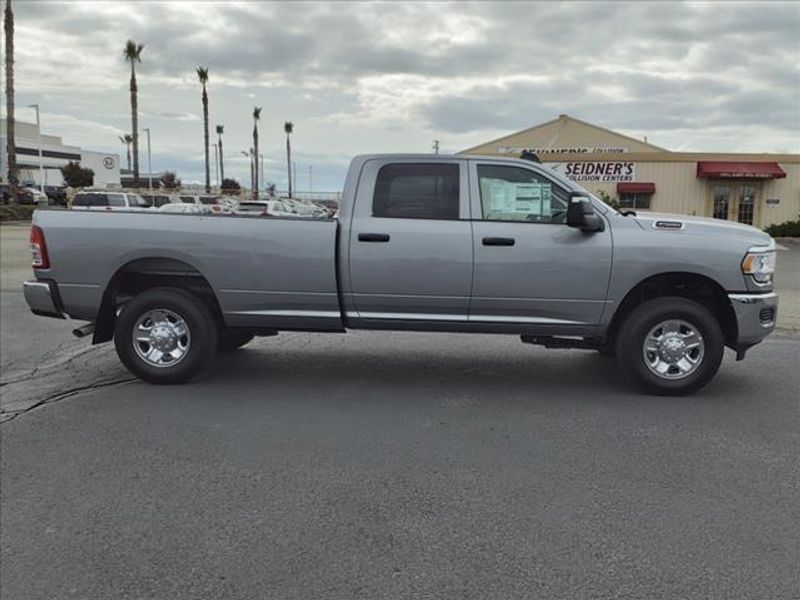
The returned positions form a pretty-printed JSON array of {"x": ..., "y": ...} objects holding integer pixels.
[
  {"x": 165, "y": 335},
  {"x": 670, "y": 346},
  {"x": 230, "y": 341}
]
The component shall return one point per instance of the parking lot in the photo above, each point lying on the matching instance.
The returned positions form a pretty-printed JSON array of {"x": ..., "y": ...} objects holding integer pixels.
[{"x": 393, "y": 465}]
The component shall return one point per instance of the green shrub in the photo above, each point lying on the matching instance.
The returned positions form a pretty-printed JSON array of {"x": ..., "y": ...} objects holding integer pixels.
[
  {"x": 16, "y": 212},
  {"x": 787, "y": 229}
]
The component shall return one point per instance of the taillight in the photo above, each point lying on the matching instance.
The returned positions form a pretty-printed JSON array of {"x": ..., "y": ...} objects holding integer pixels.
[{"x": 39, "y": 249}]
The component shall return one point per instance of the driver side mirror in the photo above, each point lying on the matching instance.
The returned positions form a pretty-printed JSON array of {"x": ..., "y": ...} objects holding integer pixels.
[{"x": 580, "y": 213}]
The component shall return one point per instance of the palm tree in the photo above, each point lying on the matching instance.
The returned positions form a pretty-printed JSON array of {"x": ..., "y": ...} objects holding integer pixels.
[
  {"x": 202, "y": 75},
  {"x": 133, "y": 53},
  {"x": 256, "y": 117},
  {"x": 288, "y": 127},
  {"x": 8, "y": 26},
  {"x": 220, "y": 129},
  {"x": 127, "y": 139}
]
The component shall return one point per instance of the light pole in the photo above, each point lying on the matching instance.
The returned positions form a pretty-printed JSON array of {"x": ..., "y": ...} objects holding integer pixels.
[
  {"x": 436, "y": 146},
  {"x": 252, "y": 172},
  {"x": 263, "y": 182},
  {"x": 216, "y": 164},
  {"x": 149, "y": 163},
  {"x": 39, "y": 130}
]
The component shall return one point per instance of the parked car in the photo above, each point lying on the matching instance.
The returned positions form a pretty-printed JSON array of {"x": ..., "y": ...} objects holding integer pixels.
[
  {"x": 432, "y": 243},
  {"x": 33, "y": 195},
  {"x": 185, "y": 208},
  {"x": 159, "y": 200},
  {"x": 24, "y": 194},
  {"x": 303, "y": 208},
  {"x": 56, "y": 194},
  {"x": 264, "y": 208},
  {"x": 105, "y": 200},
  {"x": 209, "y": 200}
]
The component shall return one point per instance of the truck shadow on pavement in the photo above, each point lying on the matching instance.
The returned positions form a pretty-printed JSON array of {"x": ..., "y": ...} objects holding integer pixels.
[{"x": 457, "y": 372}]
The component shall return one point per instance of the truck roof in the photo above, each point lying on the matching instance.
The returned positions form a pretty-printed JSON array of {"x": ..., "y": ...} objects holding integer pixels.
[{"x": 430, "y": 157}]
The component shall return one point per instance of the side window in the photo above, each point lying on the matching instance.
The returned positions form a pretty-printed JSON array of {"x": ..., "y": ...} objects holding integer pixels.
[
  {"x": 417, "y": 191},
  {"x": 137, "y": 200},
  {"x": 187, "y": 199},
  {"x": 116, "y": 200},
  {"x": 517, "y": 194}
]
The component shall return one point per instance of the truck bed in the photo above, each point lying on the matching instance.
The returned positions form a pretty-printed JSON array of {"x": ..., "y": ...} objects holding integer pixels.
[{"x": 265, "y": 272}]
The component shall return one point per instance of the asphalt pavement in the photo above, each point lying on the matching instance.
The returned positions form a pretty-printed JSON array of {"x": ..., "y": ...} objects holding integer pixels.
[{"x": 378, "y": 465}]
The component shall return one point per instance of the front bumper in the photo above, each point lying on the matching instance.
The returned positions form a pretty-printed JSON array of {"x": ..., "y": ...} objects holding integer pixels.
[
  {"x": 43, "y": 299},
  {"x": 755, "y": 317}
]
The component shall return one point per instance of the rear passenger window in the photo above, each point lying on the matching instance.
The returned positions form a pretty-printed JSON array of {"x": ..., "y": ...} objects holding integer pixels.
[
  {"x": 116, "y": 200},
  {"x": 417, "y": 191},
  {"x": 90, "y": 199}
]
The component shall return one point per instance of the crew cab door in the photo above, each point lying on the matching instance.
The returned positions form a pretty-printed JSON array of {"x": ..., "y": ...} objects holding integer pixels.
[
  {"x": 410, "y": 245},
  {"x": 531, "y": 268}
]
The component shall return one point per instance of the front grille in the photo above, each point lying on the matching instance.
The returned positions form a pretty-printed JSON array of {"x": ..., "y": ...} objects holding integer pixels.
[{"x": 766, "y": 316}]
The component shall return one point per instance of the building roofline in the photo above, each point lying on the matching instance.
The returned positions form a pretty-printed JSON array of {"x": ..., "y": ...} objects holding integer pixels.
[
  {"x": 565, "y": 117},
  {"x": 502, "y": 137}
]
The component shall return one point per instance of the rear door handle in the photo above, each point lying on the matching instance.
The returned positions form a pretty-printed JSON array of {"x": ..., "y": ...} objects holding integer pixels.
[
  {"x": 498, "y": 241},
  {"x": 373, "y": 237}
]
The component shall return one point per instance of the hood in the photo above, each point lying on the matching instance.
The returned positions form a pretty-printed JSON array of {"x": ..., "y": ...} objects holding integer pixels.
[{"x": 706, "y": 226}]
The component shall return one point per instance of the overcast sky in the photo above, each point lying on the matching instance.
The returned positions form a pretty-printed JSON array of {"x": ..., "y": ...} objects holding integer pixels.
[{"x": 358, "y": 78}]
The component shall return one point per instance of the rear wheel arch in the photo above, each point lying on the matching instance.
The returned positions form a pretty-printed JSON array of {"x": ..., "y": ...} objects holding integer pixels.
[
  {"x": 692, "y": 286},
  {"x": 142, "y": 274}
]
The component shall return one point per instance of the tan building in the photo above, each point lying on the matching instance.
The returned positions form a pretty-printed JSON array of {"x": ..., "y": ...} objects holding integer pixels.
[{"x": 757, "y": 189}]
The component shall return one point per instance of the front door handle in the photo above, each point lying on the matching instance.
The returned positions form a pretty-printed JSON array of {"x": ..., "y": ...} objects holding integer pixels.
[
  {"x": 498, "y": 241},
  {"x": 373, "y": 237}
]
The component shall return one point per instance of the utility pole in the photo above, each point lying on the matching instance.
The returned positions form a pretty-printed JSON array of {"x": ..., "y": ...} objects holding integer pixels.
[
  {"x": 39, "y": 130},
  {"x": 436, "y": 146},
  {"x": 149, "y": 162}
]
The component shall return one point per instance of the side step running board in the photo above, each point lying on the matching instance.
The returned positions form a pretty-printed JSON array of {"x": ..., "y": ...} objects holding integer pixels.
[{"x": 549, "y": 341}]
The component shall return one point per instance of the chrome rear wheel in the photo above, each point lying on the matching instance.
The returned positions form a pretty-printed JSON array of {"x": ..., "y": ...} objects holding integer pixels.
[{"x": 161, "y": 338}]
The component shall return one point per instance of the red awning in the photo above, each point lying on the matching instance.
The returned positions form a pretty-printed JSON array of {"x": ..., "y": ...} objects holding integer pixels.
[
  {"x": 740, "y": 170},
  {"x": 636, "y": 188}
]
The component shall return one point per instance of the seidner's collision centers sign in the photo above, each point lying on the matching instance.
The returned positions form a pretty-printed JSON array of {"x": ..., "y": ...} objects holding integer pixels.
[{"x": 596, "y": 171}]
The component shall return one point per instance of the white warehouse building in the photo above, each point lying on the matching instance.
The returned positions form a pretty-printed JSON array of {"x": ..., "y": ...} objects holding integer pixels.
[{"x": 55, "y": 154}]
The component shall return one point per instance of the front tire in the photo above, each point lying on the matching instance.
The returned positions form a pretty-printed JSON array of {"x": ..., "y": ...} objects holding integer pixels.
[
  {"x": 165, "y": 335},
  {"x": 670, "y": 346}
]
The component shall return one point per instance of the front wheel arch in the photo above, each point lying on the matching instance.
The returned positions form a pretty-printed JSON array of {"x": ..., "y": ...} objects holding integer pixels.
[{"x": 691, "y": 286}]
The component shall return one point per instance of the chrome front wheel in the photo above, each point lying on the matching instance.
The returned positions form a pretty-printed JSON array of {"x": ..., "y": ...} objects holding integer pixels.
[
  {"x": 673, "y": 349},
  {"x": 670, "y": 345}
]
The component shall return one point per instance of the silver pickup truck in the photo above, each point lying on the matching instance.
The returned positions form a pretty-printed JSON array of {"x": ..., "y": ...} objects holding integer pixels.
[{"x": 423, "y": 243}]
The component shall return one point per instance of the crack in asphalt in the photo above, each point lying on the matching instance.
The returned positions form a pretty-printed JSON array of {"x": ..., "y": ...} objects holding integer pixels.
[{"x": 6, "y": 417}]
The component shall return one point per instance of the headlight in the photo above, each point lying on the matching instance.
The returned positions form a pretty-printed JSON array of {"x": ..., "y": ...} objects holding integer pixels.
[{"x": 761, "y": 265}]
